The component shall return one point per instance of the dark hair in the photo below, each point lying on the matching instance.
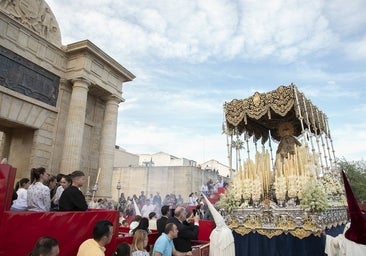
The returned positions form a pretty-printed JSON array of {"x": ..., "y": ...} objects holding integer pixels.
[
  {"x": 101, "y": 229},
  {"x": 44, "y": 246},
  {"x": 67, "y": 178},
  {"x": 137, "y": 218},
  {"x": 36, "y": 173},
  {"x": 152, "y": 215},
  {"x": 164, "y": 209},
  {"x": 59, "y": 176},
  {"x": 75, "y": 174},
  {"x": 123, "y": 249},
  {"x": 168, "y": 228},
  {"x": 52, "y": 178},
  {"x": 144, "y": 225},
  {"x": 21, "y": 183}
]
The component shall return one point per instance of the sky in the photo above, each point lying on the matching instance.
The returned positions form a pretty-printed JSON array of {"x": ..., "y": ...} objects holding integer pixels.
[{"x": 190, "y": 57}]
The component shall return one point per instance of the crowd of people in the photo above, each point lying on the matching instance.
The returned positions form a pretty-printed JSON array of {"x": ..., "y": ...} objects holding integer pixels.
[
  {"x": 45, "y": 192},
  {"x": 169, "y": 242},
  {"x": 175, "y": 235},
  {"x": 168, "y": 216},
  {"x": 154, "y": 202}
]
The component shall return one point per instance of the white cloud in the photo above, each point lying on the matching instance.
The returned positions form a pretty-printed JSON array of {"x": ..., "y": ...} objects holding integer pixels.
[
  {"x": 349, "y": 141},
  {"x": 197, "y": 31},
  {"x": 286, "y": 29},
  {"x": 356, "y": 50},
  {"x": 328, "y": 91},
  {"x": 347, "y": 18}
]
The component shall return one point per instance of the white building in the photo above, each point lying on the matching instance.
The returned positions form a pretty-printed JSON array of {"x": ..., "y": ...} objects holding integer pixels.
[
  {"x": 214, "y": 165},
  {"x": 164, "y": 159},
  {"x": 159, "y": 172}
]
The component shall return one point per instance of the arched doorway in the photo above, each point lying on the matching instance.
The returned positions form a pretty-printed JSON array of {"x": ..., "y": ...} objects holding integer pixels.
[{"x": 16, "y": 145}]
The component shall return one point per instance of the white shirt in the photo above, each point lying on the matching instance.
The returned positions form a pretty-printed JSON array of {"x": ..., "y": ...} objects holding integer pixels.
[
  {"x": 152, "y": 224},
  {"x": 21, "y": 202},
  {"x": 146, "y": 209},
  {"x": 204, "y": 188},
  {"x": 38, "y": 198},
  {"x": 58, "y": 194},
  {"x": 192, "y": 201}
]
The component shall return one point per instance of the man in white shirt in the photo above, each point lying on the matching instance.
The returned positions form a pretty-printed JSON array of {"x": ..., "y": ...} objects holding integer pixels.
[
  {"x": 204, "y": 189},
  {"x": 147, "y": 208}
]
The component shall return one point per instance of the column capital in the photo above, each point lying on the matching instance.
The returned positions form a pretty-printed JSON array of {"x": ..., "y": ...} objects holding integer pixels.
[
  {"x": 81, "y": 82},
  {"x": 64, "y": 81},
  {"x": 112, "y": 99}
]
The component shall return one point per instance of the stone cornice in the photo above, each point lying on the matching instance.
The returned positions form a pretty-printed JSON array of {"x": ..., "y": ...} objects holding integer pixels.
[{"x": 87, "y": 46}]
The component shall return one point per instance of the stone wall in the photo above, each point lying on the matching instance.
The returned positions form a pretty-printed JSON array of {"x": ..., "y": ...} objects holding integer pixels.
[
  {"x": 123, "y": 158},
  {"x": 180, "y": 180}
]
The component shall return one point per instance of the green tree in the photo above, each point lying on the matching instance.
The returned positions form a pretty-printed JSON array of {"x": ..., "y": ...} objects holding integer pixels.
[{"x": 356, "y": 174}]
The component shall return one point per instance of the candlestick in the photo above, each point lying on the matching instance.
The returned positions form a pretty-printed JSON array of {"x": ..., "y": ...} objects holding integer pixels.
[{"x": 96, "y": 181}]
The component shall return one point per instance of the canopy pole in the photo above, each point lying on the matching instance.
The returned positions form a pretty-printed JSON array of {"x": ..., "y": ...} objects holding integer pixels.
[
  {"x": 322, "y": 140},
  {"x": 323, "y": 117},
  {"x": 297, "y": 105},
  {"x": 317, "y": 139},
  {"x": 309, "y": 136},
  {"x": 237, "y": 142},
  {"x": 270, "y": 149},
  {"x": 247, "y": 141},
  {"x": 331, "y": 141},
  {"x": 231, "y": 157}
]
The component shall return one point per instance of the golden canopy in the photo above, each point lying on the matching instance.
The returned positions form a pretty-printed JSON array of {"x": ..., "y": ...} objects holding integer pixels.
[{"x": 271, "y": 112}]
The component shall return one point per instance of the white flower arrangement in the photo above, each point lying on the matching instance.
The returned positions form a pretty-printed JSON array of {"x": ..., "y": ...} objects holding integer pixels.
[
  {"x": 237, "y": 192},
  {"x": 228, "y": 200},
  {"x": 256, "y": 189},
  {"x": 315, "y": 198},
  {"x": 280, "y": 187},
  {"x": 332, "y": 185},
  {"x": 302, "y": 184},
  {"x": 293, "y": 187},
  {"x": 339, "y": 201},
  {"x": 247, "y": 188}
]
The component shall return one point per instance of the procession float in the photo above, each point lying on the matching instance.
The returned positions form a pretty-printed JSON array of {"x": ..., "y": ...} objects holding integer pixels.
[{"x": 286, "y": 191}]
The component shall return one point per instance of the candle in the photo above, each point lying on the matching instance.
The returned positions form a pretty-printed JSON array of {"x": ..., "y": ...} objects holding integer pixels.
[
  {"x": 96, "y": 181},
  {"x": 88, "y": 181}
]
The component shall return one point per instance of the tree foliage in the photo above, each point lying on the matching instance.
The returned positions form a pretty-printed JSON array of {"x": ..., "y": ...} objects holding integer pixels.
[{"x": 356, "y": 174}]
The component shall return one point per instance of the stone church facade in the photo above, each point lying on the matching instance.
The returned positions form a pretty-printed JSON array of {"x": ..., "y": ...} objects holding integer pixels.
[{"x": 58, "y": 103}]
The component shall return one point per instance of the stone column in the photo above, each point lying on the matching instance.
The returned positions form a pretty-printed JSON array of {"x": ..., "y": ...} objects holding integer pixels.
[
  {"x": 71, "y": 156},
  {"x": 5, "y": 144},
  {"x": 107, "y": 146}
]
